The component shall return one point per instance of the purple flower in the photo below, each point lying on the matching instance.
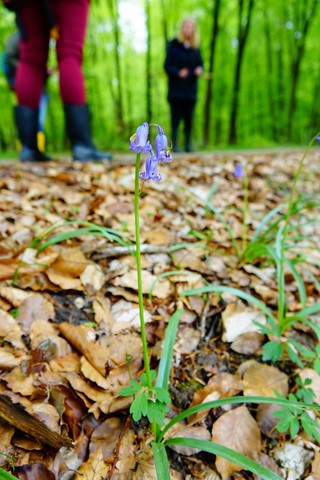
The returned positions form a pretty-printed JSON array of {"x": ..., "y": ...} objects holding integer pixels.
[
  {"x": 161, "y": 144},
  {"x": 238, "y": 171},
  {"x": 139, "y": 142},
  {"x": 318, "y": 139},
  {"x": 151, "y": 170}
]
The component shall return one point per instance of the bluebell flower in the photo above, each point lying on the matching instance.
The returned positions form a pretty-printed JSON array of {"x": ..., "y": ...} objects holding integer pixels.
[
  {"x": 161, "y": 145},
  {"x": 238, "y": 171},
  {"x": 139, "y": 142},
  {"x": 151, "y": 170}
]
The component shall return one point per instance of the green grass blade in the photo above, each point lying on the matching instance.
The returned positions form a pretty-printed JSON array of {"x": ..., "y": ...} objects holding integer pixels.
[
  {"x": 88, "y": 229},
  {"x": 227, "y": 453},
  {"x": 78, "y": 232},
  {"x": 265, "y": 221},
  {"x": 300, "y": 283},
  {"x": 161, "y": 461},
  {"x": 239, "y": 293},
  {"x": 167, "y": 351},
  {"x": 6, "y": 475},
  {"x": 236, "y": 400}
]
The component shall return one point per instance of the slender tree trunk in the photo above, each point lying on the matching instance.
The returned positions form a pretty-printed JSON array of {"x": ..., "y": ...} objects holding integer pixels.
[
  {"x": 148, "y": 63},
  {"x": 307, "y": 16},
  {"x": 114, "y": 10},
  {"x": 164, "y": 21},
  {"x": 209, "y": 92},
  {"x": 270, "y": 78},
  {"x": 243, "y": 31}
]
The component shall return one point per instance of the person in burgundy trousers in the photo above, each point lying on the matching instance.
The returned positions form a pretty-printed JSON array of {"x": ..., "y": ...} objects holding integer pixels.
[{"x": 66, "y": 20}]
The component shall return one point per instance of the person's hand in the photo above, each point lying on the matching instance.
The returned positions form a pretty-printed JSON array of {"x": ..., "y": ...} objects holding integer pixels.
[
  {"x": 183, "y": 73},
  {"x": 198, "y": 71}
]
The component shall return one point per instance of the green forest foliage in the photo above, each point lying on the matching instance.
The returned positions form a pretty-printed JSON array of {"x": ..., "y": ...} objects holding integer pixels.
[{"x": 279, "y": 80}]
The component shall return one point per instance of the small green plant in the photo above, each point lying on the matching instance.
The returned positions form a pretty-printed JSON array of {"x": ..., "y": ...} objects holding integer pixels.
[
  {"x": 45, "y": 238},
  {"x": 271, "y": 242},
  {"x": 4, "y": 475},
  {"x": 292, "y": 419},
  {"x": 150, "y": 394}
]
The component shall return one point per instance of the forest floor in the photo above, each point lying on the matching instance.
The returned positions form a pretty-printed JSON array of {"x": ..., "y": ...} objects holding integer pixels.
[{"x": 69, "y": 316}]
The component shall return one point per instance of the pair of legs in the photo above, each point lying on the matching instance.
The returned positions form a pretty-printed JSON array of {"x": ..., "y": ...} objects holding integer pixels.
[
  {"x": 70, "y": 16},
  {"x": 181, "y": 110},
  {"x": 71, "y": 19}
]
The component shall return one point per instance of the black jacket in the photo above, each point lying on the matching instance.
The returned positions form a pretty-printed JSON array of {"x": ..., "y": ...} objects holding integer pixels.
[{"x": 178, "y": 57}]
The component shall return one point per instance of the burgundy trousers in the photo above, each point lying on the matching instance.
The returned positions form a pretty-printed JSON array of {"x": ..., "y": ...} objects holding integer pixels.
[{"x": 71, "y": 18}]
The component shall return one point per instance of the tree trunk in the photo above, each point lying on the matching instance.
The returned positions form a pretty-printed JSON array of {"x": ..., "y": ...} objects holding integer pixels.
[
  {"x": 209, "y": 92},
  {"x": 148, "y": 63},
  {"x": 243, "y": 31},
  {"x": 306, "y": 18},
  {"x": 114, "y": 10}
]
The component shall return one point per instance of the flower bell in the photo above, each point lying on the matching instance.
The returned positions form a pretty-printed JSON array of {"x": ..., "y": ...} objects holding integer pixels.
[
  {"x": 151, "y": 170},
  {"x": 161, "y": 145},
  {"x": 238, "y": 171},
  {"x": 139, "y": 142}
]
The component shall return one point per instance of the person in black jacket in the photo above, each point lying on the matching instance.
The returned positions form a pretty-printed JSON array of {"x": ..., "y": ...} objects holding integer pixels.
[{"x": 183, "y": 65}]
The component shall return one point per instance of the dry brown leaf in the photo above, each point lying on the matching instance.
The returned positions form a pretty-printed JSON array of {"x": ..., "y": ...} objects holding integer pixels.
[
  {"x": 267, "y": 421},
  {"x": 126, "y": 315},
  {"x": 102, "y": 312},
  {"x": 158, "y": 236},
  {"x": 15, "y": 296},
  {"x": 106, "y": 436},
  {"x": 44, "y": 335},
  {"x": 71, "y": 262},
  {"x": 34, "y": 471},
  {"x": 8, "y": 360},
  {"x": 268, "y": 462},
  {"x": 238, "y": 320},
  {"x": 222, "y": 385},
  {"x": 187, "y": 340},
  {"x": 93, "y": 393},
  {"x": 33, "y": 308},
  {"x": 7, "y": 324},
  {"x": 161, "y": 289},
  {"x": 248, "y": 343},
  {"x": 11, "y": 331},
  {"x": 145, "y": 466},
  {"x": 200, "y": 433},
  {"x": 6, "y": 434},
  {"x": 260, "y": 379},
  {"x": 245, "y": 438},
  {"x": 83, "y": 339},
  {"x": 94, "y": 468},
  {"x": 64, "y": 281},
  {"x": 92, "y": 374},
  {"x": 315, "y": 466},
  {"x": 68, "y": 363},
  {"x": 92, "y": 278},
  {"x": 18, "y": 382},
  {"x": 47, "y": 415}
]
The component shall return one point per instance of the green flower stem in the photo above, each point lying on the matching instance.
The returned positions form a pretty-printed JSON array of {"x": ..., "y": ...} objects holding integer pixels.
[
  {"x": 281, "y": 280},
  {"x": 139, "y": 274},
  {"x": 245, "y": 210}
]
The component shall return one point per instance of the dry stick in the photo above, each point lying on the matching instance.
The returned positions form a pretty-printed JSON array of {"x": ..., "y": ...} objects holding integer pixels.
[
  {"x": 15, "y": 415},
  {"x": 119, "y": 250}
]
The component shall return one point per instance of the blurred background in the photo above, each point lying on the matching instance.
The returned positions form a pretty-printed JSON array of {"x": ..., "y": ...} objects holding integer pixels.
[{"x": 260, "y": 88}]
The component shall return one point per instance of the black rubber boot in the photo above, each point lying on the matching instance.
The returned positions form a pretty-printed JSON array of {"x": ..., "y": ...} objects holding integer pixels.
[
  {"x": 26, "y": 119},
  {"x": 78, "y": 129}
]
